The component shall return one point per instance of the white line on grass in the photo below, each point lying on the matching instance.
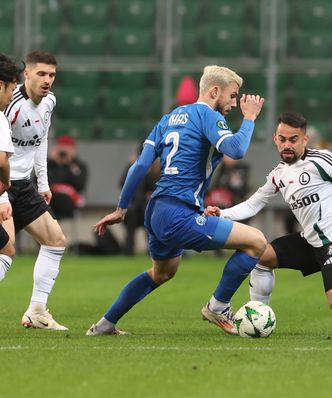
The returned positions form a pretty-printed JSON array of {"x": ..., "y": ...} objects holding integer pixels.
[
  {"x": 176, "y": 348},
  {"x": 165, "y": 348},
  {"x": 17, "y": 347}
]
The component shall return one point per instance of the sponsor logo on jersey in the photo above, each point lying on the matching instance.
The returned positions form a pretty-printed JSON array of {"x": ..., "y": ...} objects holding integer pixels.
[
  {"x": 36, "y": 141},
  {"x": 222, "y": 125},
  {"x": 304, "y": 178},
  {"x": 200, "y": 220},
  {"x": 281, "y": 184},
  {"x": 27, "y": 123}
]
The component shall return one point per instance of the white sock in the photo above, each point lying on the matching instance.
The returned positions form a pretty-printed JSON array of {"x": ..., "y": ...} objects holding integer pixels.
[
  {"x": 45, "y": 272},
  {"x": 216, "y": 305},
  {"x": 5, "y": 263},
  {"x": 36, "y": 307},
  {"x": 103, "y": 325},
  {"x": 261, "y": 284}
]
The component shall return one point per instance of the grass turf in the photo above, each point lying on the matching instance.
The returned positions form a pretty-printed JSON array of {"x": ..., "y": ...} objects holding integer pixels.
[{"x": 171, "y": 352}]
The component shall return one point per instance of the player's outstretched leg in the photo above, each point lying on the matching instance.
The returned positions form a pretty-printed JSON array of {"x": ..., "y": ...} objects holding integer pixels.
[
  {"x": 143, "y": 284},
  {"x": 130, "y": 295}
]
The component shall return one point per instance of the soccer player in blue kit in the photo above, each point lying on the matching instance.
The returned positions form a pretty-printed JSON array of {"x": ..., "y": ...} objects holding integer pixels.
[{"x": 190, "y": 142}]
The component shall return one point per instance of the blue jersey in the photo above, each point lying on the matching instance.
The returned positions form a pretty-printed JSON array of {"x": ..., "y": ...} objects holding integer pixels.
[{"x": 190, "y": 142}]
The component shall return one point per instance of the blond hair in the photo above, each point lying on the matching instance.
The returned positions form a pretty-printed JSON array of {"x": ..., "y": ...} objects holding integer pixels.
[{"x": 219, "y": 76}]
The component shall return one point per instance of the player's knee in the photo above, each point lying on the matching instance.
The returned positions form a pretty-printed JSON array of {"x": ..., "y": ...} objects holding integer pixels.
[
  {"x": 10, "y": 251},
  {"x": 162, "y": 276},
  {"x": 58, "y": 240},
  {"x": 259, "y": 243},
  {"x": 165, "y": 277}
]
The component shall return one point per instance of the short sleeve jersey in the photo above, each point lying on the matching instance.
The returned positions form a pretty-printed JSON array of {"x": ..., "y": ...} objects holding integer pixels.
[{"x": 187, "y": 140}]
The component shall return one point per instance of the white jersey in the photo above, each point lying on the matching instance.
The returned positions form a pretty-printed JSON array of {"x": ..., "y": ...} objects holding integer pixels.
[
  {"x": 30, "y": 124},
  {"x": 6, "y": 144},
  {"x": 306, "y": 187}
]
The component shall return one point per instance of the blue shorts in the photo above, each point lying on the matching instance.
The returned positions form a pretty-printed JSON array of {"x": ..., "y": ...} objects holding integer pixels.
[{"x": 174, "y": 226}]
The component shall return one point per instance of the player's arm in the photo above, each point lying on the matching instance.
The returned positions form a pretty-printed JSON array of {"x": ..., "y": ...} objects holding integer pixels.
[
  {"x": 236, "y": 145},
  {"x": 250, "y": 207},
  {"x": 135, "y": 175},
  {"x": 4, "y": 172},
  {"x": 40, "y": 167}
]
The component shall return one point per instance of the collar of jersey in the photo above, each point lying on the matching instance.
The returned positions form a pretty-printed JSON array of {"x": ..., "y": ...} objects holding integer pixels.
[
  {"x": 204, "y": 103},
  {"x": 24, "y": 92}
]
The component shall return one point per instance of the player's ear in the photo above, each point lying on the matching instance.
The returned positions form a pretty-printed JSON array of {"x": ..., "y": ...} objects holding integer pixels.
[{"x": 306, "y": 138}]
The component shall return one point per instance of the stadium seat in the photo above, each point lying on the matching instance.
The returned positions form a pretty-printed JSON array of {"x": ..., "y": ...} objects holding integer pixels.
[
  {"x": 73, "y": 102},
  {"x": 312, "y": 80},
  {"x": 49, "y": 39},
  {"x": 187, "y": 43},
  {"x": 7, "y": 14},
  {"x": 314, "y": 105},
  {"x": 315, "y": 43},
  {"x": 228, "y": 11},
  {"x": 83, "y": 41},
  {"x": 315, "y": 14},
  {"x": 7, "y": 42},
  {"x": 187, "y": 15},
  {"x": 88, "y": 13},
  {"x": 219, "y": 40},
  {"x": 132, "y": 42},
  {"x": 121, "y": 129},
  {"x": 127, "y": 78},
  {"x": 134, "y": 13},
  {"x": 124, "y": 104},
  {"x": 49, "y": 14},
  {"x": 79, "y": 129},
  {"x": 80, "y": 78}
]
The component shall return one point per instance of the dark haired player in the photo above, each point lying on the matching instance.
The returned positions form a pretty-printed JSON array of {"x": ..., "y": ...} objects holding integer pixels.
[
  {"x": 30, "y": 117},
  {"x": 304, "y": 179},
  {"x": 9, "y": 77}
]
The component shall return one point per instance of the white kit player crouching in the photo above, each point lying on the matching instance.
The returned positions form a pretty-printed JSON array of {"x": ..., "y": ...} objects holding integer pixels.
[
  {"x": 30, "y": 117},
  {"x": 304, "y": 179}
]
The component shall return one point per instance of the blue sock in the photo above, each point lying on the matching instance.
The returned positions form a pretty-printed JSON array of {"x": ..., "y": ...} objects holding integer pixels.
[
  {"x": 131, "y": 294},
  {"x": 237, "y": 268}
]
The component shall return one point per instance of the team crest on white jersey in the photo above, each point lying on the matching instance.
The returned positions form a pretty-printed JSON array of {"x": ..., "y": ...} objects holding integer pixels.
[
  {"x": 46, "y": 117},
  {"x": 200, "y": 220},
  {"x": 304, "y": 178}
]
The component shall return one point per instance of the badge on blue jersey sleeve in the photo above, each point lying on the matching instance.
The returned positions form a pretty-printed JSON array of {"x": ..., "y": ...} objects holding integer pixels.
[{"x": 222, "y": 125}]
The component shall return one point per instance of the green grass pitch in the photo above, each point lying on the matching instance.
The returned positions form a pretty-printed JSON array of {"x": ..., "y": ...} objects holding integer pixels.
[{"x": 172, "y": 352}]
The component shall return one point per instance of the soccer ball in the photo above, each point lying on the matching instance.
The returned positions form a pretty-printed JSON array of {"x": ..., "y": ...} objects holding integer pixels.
[{"x": 255, "y": 319}]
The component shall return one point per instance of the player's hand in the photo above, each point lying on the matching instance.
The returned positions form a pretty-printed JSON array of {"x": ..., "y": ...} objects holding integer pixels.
[
  {"x": 212, "y": 211},
  {"x": 3, "y": 187},
  {"x": 5, "y": 212},
  {"x": 113, "y": 218},
  {"x": 251, "y": 106},
  {"x": 47, "y": 196}
]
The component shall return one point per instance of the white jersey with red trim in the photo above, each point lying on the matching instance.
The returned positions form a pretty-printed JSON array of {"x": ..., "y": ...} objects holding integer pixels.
[
  {"x": 306, "y": 187},
  {"x": 6, "y": 144},
  {"x": 30, "y": 124}
]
